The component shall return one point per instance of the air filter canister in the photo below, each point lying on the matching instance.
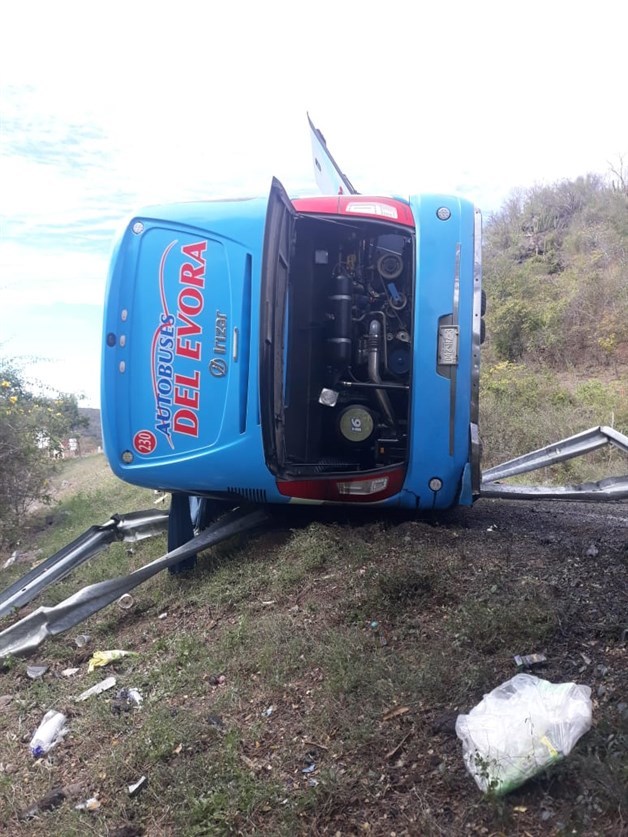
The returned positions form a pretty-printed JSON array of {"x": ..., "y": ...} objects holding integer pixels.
[{"x": 356, "y": 424}]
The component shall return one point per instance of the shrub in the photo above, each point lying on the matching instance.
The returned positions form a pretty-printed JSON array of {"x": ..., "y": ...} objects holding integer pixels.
[{"x": 31, "y": 427}]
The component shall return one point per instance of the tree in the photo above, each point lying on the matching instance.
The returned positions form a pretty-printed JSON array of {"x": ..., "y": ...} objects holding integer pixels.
[
  {"x": 619, "y": 174},
  {"x": 31, "y": 427}
]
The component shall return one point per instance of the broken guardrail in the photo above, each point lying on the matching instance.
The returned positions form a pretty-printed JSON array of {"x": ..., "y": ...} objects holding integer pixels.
[
  {"x": 611, "y": 488},
  {"x": 29, "y": 633},
  {"x": 129, "y": 527}
]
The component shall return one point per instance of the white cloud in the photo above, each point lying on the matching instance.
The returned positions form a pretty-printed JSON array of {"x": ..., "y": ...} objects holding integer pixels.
[
  {"x": 80, "y": 376},
  {"x": 33, "y": 276}
]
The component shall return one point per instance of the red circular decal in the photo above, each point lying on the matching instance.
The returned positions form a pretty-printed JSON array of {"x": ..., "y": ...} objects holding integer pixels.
[{"x": 144, "y": 441}]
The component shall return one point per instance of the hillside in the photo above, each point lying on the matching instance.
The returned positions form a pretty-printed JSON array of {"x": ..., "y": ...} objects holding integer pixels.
[
  {"x": 556, "y": 357},
  {"x": 556, "y": 272}
]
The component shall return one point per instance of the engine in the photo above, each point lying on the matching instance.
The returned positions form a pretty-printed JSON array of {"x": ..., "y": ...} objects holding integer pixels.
[{"x": 368, "y": 348}]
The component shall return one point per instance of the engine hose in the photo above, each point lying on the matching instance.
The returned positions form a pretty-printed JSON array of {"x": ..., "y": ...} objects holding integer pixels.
[{"x": 373, "y": 370}]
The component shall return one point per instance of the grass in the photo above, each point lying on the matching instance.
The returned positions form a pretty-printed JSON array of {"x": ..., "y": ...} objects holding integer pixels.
[
  {"x": 524, "y": 407},
  {"x": 344, "y": 649}
]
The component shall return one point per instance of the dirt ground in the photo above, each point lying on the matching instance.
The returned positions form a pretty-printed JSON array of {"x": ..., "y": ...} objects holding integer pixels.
[
  {"x": 578, "y": 552},
  {"x": 406, "y": 777}
]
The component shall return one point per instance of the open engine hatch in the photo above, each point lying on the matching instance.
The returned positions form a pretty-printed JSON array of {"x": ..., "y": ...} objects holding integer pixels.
[{"x": 336, "y": 354}]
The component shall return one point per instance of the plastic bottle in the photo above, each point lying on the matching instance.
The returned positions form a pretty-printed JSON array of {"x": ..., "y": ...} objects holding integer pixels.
[{"x": 48, "y": 733}]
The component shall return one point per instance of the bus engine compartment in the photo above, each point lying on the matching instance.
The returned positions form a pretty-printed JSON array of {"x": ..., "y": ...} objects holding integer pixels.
[{"x": 347, "y": 347}]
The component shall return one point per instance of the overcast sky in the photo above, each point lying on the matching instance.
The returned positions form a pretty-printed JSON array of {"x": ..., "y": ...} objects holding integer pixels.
[{"x": 107, "y": 107}]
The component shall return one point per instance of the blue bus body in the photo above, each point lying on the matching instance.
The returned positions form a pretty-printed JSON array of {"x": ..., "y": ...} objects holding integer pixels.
[{"x": 320, "y": 350}]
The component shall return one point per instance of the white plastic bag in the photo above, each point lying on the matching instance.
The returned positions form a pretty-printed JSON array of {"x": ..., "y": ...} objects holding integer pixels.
[{"x": 520, "y": 728}]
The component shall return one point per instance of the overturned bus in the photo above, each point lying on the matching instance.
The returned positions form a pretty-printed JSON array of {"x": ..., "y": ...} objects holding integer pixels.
[{"x": 310, "y": 350}]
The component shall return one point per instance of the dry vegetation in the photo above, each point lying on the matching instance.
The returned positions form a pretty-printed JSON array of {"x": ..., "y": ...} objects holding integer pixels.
[
  {"x": 556, "y": 358},
  {"x": 306, "y": 681}
]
